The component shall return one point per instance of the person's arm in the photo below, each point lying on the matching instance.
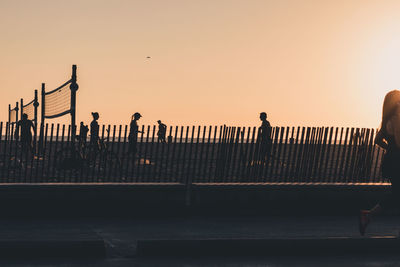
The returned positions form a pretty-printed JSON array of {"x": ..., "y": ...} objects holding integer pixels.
[{"x": 380, "y": 141}]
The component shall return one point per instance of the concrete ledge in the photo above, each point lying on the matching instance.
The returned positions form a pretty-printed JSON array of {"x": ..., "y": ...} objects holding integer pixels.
[
  {"x": 170, "y": 199},
  {"x": 44, "y": 243},
  {"x": 273, "y": 246},
  {"x": 300, "y": 185}
]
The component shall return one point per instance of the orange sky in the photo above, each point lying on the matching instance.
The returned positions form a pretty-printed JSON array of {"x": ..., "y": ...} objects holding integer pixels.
[{"x": 315, "y": 63}]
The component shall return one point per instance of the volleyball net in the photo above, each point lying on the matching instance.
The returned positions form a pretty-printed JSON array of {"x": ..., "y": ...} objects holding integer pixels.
[
  {"x": 29, "y": 109},
  {"x": 57, "y": 102},
  {"x": 13, "y": 115}
]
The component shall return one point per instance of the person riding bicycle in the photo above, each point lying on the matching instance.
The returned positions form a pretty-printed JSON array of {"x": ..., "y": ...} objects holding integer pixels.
[
  {"x": 25, "y": 126},
  {"x": 94, "y": 131},
  {"x": 162, "y": 130},
  {"x": 133, "y": 133}
]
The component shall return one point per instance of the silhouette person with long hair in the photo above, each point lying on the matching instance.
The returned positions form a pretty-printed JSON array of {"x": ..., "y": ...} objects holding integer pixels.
[
  {"x": 133, "y": 133},
  {"x": 388, "y": 138},
  {"x": 162, "y": 130},
  {"x": 94, "y": 131},
  {"x": 25, "y": 126},
  {"x": 264, "y": 137}
]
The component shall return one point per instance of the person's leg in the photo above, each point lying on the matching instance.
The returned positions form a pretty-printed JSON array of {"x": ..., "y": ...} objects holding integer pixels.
[
  {"x": 393, "y": 198},
  {"x": 129, "y": 148},
  {"x": 134, "y": 148}
]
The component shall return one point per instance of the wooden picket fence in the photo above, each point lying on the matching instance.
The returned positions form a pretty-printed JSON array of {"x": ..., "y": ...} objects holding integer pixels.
[{"x": 195, "y": 154}]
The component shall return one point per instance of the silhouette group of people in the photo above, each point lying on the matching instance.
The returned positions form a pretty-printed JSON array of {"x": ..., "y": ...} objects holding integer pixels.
[
  {"x": 24, "y": 127},
  {"x": 133, "y": 132},
  {"x": 388, "y": 138}
]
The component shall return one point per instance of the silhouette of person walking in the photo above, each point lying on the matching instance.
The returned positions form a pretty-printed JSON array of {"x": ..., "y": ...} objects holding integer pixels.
[
  {"x": 264, "y": 139},
  {"x": 133, "y": 133},
  {"x": 388, "y": 138},
  {"x": 25, "y": 126},
  {"x": 162, "y": 130},
  {"x": 94, "y": 131}
]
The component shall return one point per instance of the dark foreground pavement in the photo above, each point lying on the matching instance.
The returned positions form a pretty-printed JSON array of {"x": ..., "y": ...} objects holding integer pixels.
[{"x": 120, "y": 238}]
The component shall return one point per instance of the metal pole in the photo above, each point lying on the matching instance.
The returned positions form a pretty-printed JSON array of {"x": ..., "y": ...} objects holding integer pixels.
[
  {"x": 22, "y": 107},
  {"x": 42, "y": 118},
  {"x": 35, "y": 105},
  {"x": 74, "y": 87},
  {"x": 9, "y": 119},
  {"x": 16, "y": 116},
  {"x": 16, "y": 112}
]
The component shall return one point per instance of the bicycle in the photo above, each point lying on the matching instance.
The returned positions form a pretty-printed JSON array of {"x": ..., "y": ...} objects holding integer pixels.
[{"x": 91, "y": 157}]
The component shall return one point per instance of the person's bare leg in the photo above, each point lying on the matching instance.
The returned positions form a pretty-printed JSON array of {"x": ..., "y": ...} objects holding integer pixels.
[
  {"x": 375, "y": 210},
  {"x": 366, "y": 215}
]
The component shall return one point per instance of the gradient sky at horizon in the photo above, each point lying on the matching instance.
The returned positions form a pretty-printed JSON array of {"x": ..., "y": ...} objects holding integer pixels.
[{"x": 308, "y": 63}]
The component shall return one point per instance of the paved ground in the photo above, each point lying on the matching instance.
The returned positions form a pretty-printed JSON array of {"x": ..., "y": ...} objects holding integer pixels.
[{"x": 120, "y": 236}]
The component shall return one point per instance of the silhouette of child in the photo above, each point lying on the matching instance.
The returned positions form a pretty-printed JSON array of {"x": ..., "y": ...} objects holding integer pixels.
[{"x": 83, "y": 131}]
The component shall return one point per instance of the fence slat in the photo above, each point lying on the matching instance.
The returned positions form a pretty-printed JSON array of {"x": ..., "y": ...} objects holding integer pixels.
[{"x": 212, "y": 152}]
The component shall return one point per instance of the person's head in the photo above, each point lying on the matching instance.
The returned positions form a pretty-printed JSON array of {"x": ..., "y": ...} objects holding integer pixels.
[
  {"x": 136, "y": 116},
  {"x": 24, "y": 116},
  {"x": 390, "y": 111},
  {"x": 263, "y": 116},
  {"x": 95, "y": 115},
  {"x": 159, "y": 122},
  {"x": 81, "y": 123}
]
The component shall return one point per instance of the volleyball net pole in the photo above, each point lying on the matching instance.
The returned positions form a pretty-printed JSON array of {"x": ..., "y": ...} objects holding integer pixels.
[
  {"x": 42, "y": 114},
  {"x": 73, "y": 87},
  {"x": 35, "y": 106},
  {"x": 30, "y": 109},
  {"x": 59, "y": 102}
]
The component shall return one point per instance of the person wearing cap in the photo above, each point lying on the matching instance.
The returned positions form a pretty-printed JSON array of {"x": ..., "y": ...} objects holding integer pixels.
[
  {"x": 162, "y": 130},
  {"x": 133, "y": 133},
  {"x": 94, "y": 130}
]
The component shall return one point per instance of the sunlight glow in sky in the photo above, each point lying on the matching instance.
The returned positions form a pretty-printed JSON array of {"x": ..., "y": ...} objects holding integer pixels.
[{"x": 308, "y": 63}]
